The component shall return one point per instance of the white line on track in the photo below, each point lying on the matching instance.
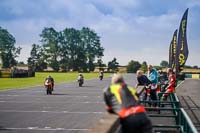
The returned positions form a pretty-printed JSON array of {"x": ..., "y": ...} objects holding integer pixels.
[
  {"x": 48, "y": 102},
  {"x": 46, "y": 129},
  {"x": 49, "y": 96},
  {"x": 44, "y": 111}
]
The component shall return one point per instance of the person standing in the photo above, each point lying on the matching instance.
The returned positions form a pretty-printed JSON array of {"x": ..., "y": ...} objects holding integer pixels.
[
  {"x": 153, "y": 77},
  {"x": 152, "y": 74},
  {"x": 171, "y": 86}
]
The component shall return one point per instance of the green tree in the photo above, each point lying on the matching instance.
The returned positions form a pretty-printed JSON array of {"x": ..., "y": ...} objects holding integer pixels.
[
  {"x": 99, "y": 63},
  {"x": 113, "y": 65},
  {"x": 8, "y": 51},
  {"x": 21, "y": 63},
  {"x": 37, "y": 58},
  {"x": 72, "y": 53},
  {"x": 71, "y": 48},
  {"x": 157, "y": 67},
  {"x": 133, "y": 66},
  {"x": 144, "y": 67},
  {"x": 164, "y": 64},
  {"x": 50, "y": 39},
  {"x": 196, "y": 67},
  {"x": 187, "y": 66},
  {"x": 80, "y": 48},
  {"x": 91, "y": 45}
]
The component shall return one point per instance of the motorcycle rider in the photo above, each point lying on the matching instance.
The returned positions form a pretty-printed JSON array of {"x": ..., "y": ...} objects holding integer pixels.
[
  {"x": 153, "y": 77},
  {"x": 80, "y": 78},
  {"x": 51, "y": 79},
  {"x": 101, "y": 75},
  {"x": 122, "y": 100}
]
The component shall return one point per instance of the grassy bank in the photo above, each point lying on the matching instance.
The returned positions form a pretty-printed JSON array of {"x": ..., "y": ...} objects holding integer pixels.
[{"x": 15, "y": 83}]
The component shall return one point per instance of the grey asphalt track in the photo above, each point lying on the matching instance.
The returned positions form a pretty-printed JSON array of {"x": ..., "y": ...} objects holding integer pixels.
[
  {"x": 71, "y": 109},
  {"x": 188, "y": 93}
]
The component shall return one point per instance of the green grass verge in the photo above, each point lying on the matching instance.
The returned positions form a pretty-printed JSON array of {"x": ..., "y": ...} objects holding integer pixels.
[{"x": 15, "y": 83}]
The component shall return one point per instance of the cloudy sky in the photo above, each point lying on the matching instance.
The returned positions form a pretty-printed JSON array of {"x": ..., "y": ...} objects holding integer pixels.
[{"x": 129, "y": 29}]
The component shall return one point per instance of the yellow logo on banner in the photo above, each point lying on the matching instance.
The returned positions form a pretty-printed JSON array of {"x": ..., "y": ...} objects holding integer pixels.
[
  {"x": 174, "y": 46},
  {"x": 181, "y": 59},
  {"x": 183, "y": 27}
]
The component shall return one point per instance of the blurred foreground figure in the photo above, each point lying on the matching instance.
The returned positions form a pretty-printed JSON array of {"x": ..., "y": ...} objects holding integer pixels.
[{"x": 122, "y": 100}]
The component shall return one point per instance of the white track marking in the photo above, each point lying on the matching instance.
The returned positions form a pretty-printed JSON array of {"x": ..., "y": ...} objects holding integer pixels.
[
  {"x": 46, "y": 129},
  {"x": 54, "y": 95},
  {"x": 46, "y": 102},
  {"x": 44, "y": 111},
  {"x": 32, "y": 127}
]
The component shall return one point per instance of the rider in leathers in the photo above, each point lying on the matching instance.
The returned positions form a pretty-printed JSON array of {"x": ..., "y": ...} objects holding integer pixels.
[{"x": 121, "y": 99}]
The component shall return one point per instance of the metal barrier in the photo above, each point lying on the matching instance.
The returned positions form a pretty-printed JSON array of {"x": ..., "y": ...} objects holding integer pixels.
[{"x": 183, "y": 122}]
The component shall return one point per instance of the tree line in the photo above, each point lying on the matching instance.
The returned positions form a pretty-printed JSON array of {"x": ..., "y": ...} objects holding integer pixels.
[
  {"x": 69, "y": 49},
  {"x": 8, "y": 51}
]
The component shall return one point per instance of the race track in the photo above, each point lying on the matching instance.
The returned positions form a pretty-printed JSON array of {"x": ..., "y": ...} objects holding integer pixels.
[{"x": 70, "y": 109}]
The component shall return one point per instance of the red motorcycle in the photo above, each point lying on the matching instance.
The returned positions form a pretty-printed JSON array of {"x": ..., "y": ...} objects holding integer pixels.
[{"x": 49, "y": 86}]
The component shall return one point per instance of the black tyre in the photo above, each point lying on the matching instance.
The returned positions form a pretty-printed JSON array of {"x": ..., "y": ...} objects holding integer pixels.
[
  {"x": 80, "y": 84},
  {"x": 50, "y": 90}
]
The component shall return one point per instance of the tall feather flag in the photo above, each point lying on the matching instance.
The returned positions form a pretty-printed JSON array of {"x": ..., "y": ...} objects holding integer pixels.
[
  {"x": 172, "y": 50},
  {"x": 182, "y": 47}
]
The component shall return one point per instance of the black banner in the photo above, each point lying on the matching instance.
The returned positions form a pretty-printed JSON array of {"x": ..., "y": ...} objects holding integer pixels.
[
  {"x": 172, "y": 50},
  {"x": 182, "y": 47}
]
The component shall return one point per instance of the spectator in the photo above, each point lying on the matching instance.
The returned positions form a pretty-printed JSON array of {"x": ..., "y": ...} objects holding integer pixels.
[
  {"x": 142, "y": 79},
  {"x": 171, "y": 86},
  {"x": 152, "y": 74}
]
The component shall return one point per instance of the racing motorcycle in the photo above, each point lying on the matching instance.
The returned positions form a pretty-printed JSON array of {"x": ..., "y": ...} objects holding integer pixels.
[
  {"x": 49, "y": 86},
  {"x": 80, "y": 81}
]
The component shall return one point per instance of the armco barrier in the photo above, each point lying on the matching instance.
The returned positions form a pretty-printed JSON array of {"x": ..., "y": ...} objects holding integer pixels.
[
  {"x": 183, "y": 122},
  {"x": 110, "y": 123}
]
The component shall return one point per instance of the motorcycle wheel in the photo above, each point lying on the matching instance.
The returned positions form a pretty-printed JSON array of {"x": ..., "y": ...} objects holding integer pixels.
[{"x": 80, "y": 84}]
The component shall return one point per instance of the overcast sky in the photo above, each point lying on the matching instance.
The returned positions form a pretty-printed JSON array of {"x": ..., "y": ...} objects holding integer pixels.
[{"x": 129, "y": 29}]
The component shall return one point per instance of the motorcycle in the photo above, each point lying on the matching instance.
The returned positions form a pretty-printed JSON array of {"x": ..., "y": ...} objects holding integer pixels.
[
  {"x": 101, "y": 77},
  {"x": 49, "y": 86},
  {"x": 80, "y": 82}
]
